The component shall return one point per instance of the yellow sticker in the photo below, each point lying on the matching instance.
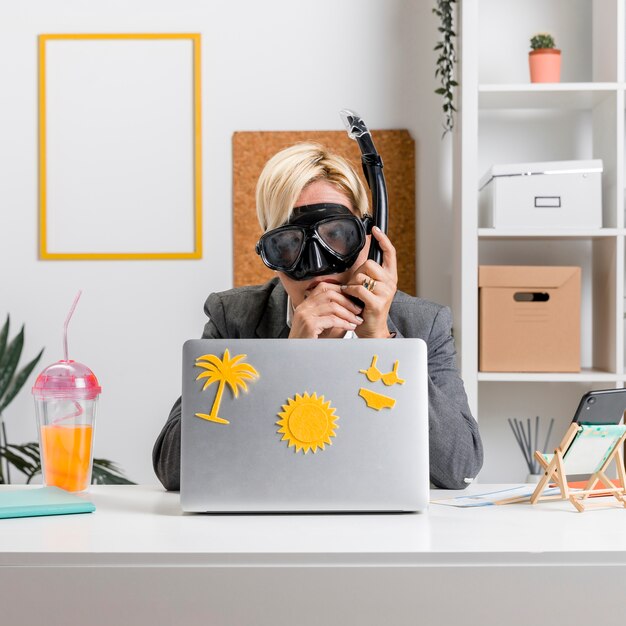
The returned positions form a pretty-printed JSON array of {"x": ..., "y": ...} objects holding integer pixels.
[
  {"x": 376, "y": 400},
  {"x": 390, "y": 378},
  {"x": 225, "y": 371},
  {"x": 307, "y": 422}
]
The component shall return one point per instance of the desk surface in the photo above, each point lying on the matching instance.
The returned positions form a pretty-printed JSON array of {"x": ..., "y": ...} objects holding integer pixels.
[{"x": 145, "y": 526}]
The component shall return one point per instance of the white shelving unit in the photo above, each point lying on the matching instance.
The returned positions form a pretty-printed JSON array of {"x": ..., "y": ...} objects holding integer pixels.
[{"x": 504, "y": 119}]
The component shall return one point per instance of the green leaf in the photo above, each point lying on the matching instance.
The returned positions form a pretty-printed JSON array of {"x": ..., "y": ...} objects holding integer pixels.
[
  {"x": 445, "y": 11},
  {"x": 9, "y": 361},
  {"x": 18, "y": 381},
  {"x": 14, "y": 455},
  {"x": 105, "y": 472},
  {"x": 4, "y": 333},
  {"x": 31, "y": 450}
]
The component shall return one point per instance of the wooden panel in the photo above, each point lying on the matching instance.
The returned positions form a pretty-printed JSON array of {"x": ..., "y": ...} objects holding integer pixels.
[{"x": 251, "y": 150}]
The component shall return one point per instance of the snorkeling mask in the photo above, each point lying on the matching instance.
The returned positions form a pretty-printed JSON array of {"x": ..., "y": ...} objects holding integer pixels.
[
  {"x": 318, "y": 239},
  {"x": 326, "y": 238}
]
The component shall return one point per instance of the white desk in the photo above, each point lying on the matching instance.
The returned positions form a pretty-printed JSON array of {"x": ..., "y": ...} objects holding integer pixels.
[{"x": 138, "y": 560}]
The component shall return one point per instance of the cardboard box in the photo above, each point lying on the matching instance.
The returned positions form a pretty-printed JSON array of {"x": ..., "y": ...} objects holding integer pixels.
[
  {"x": 529, "y": 318},
  {"x": 555, "y": 194}
]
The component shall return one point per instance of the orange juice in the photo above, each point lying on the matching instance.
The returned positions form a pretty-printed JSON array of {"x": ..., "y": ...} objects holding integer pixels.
[{"x": 66, "y": 453}]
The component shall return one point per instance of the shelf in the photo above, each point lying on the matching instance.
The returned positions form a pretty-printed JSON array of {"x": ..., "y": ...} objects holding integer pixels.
[
  {"x": 493, "y": 233},
  {"x": 585, "y": 375},
  {"x": 581, "y": 96},
  {"x": 503, "y": 118}
]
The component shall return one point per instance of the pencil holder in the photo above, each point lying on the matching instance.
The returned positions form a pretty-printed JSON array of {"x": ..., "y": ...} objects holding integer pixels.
[{"x": 527, "y": 436}]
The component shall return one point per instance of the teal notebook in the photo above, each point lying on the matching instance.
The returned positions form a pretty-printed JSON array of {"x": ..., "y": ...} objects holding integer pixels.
[{"x": 42, "y": 501}]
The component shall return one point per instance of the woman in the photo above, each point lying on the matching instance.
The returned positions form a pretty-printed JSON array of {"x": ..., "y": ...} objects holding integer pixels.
[{"x": 313, "y": 210}]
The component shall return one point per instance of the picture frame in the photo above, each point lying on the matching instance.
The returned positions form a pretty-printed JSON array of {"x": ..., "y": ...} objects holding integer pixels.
[{"x": 120, "y": 155}]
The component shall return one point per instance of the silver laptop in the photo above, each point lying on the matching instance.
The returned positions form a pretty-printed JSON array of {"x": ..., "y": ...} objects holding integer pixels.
[{"x": 304, "y": 425}]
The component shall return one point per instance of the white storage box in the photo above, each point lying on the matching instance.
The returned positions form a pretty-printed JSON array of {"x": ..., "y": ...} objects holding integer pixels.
[{"x": 551, "y": 195}]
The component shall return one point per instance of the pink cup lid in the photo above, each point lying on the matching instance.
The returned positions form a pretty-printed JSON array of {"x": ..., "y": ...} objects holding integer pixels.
[{"x": 67, "y": 379}]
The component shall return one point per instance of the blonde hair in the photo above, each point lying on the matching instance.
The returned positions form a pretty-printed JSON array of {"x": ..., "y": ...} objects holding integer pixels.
[{"x": 288, "y": 172}]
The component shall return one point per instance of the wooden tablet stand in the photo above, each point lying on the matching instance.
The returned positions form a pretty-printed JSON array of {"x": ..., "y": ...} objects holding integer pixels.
[{"x": 554, "y": 471}]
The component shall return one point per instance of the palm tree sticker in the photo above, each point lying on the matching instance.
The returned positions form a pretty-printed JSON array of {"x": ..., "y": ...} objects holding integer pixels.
[{"x": 225, "y": 371}]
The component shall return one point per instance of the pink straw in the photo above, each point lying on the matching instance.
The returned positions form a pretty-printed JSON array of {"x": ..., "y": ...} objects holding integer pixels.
[{"x": 67, "y": 321}]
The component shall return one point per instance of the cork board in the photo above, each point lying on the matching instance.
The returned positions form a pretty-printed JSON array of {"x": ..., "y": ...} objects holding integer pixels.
[{"x": 251, "y": 150}]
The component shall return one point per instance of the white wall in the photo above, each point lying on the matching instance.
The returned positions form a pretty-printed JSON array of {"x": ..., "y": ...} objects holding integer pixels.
[{"x": 273, "y": 65}]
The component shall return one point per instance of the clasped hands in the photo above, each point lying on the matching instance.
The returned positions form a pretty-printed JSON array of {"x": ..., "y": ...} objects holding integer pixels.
[{"x": 327, "y": 310}]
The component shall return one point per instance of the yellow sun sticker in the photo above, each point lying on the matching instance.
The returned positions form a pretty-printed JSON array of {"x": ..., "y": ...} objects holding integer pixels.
[
  {"x": 307, "y": 422},
  {"x": 226, "y": 371}
]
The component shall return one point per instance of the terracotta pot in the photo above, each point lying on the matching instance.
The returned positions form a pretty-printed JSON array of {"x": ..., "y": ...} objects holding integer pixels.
[{"x": 545, "y": 65}]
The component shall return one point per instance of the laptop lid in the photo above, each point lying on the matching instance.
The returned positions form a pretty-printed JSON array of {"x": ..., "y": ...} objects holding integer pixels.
[{"x": 304, "y": 425}]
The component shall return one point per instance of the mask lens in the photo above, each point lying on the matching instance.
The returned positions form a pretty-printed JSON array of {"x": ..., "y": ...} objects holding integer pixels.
[
  {"x": 341, "y": 235},
  {"x": 282, "y": 247}
]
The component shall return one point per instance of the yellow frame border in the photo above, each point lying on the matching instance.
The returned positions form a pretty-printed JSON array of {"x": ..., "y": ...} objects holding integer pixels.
[{"x": 197, "y": 252}]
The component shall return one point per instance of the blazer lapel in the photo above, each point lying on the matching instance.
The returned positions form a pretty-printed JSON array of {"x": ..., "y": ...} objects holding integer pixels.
[
  {"x": 391, "y": 326},
  {"x": 273, "y": 323}
]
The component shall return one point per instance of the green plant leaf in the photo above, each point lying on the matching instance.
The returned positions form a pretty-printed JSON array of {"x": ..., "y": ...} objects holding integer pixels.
[
  {"x": 4, "y": 333},
  {"x": 105, "y": 472},
  {"x": 444, "y": 10},
  {"x": 15, "y": 455},
  {"x": 18, "y": 381},
  {"x": 9, "y": 361},
  {"x": 542, "y": 41},
  {"x": 31, "y": 450}
]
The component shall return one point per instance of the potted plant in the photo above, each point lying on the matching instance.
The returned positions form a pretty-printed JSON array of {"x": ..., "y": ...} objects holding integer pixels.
[
  {"x": 446, "y": 59},
  {"x": 544, "y": 59}
]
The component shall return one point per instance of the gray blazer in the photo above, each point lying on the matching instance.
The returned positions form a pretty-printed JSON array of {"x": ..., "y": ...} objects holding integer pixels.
[{"x": 456, "y": 453}]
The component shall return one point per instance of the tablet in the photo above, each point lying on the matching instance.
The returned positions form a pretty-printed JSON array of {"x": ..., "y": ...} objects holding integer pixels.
[{"x": 603, "y": 406}]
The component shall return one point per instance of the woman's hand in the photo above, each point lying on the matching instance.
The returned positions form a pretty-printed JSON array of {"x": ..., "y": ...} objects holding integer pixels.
[
  {"x": 378, "y": 300},
  {"x": 325, "y": 308}
]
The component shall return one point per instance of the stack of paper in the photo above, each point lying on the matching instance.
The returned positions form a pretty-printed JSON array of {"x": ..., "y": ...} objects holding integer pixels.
[{"x": 509, "y": 495}]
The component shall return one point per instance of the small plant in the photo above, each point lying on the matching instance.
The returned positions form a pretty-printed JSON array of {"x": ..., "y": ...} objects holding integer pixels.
[
  {"x": 542, "y": 41},
  {"x": 11, "y": 381},
  {"x": 446, "y": 60},
  {"x": 25, "y": 457}
]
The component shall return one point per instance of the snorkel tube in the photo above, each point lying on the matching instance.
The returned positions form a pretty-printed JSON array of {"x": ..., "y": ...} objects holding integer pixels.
[{"x": 373, "y": 169}]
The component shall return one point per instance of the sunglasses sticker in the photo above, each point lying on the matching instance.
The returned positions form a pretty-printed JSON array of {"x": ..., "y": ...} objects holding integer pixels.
[
  {"x": 373, "y": 399},
  {"x": 307, "y": 422},
  {"x": 225, "y": 371}
]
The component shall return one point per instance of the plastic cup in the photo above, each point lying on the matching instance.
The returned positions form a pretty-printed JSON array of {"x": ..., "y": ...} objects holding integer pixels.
[{"x": 66, "y": 397}]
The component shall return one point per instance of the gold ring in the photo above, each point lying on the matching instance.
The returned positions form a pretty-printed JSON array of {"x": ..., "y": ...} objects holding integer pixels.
[
  {"x": 371, "y": 286},
  {"x": 366, "y": 283}
]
